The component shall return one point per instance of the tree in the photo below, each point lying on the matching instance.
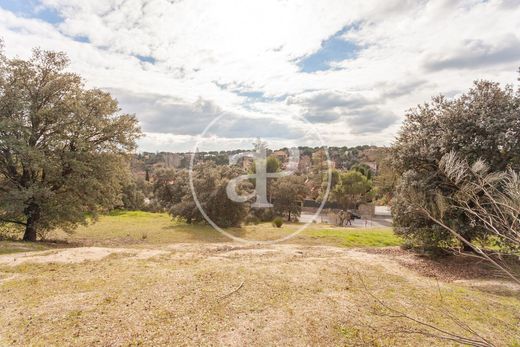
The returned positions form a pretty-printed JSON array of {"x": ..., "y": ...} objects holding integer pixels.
[
  {"x": 288, "y": 194},
  {"x": 172, "y": 189},
  {"x": 319, "y": 161},
  {"x": 318, "y": 176},
  {"x": 483, "y": 124},
  {"x": 363, "y": 169},
  {"x": 489, "y": 200},
  {"x": 135, "y": 193},
  {"x": 272, "y": 165},
  {"x": 353, "y": 187},
  {"x": 63, "y": 148},
  {"x": 386, "y": 179}
]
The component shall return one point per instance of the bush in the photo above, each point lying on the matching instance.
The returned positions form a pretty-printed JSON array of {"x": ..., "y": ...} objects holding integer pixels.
[
  {"x": 278, "y": 222},
  {"x": 479, "y": 125},
  {"x": 172, "y": 190},
  {"x": 252, "y": 219},
  {"x": 263, "y": 214}
]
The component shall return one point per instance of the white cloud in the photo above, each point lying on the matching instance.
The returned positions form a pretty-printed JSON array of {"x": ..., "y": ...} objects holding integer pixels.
[{"x": 209, "y": 52}]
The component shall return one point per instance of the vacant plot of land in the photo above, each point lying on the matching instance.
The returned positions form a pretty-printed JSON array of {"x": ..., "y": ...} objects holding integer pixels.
[{"x": 127, "y": 289}]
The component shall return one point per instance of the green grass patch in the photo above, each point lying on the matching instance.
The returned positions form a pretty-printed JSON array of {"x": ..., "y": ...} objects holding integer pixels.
[
  {"x": 370, "y": 237},
  {"x": 123, "y": 228}
]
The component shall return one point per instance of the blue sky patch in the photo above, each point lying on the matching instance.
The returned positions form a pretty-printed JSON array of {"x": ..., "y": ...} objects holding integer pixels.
[
  {"x": 252, "y": 94},
  {"x": 146, "y": 59},
  {"x": 332, "y": 50},
  {"x": 31, "y": 9},
  {"x": 83, "y": 39}
]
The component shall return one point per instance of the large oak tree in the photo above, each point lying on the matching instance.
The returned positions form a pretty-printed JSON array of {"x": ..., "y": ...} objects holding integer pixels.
[{"x": 63, "y": 148}]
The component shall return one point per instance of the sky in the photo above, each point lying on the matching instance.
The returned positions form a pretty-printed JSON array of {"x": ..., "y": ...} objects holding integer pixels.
[{"x": 292, "y": 72}]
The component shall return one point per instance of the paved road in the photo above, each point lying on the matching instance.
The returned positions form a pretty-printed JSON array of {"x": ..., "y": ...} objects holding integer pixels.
[{"x": 357, "y": 223}]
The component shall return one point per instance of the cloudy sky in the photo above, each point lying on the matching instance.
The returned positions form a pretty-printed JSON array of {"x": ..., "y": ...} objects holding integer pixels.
[{"x": 350, "y": 68}]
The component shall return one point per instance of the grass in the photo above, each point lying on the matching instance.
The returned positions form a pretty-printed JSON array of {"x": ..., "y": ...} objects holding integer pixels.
[
  {"x": 8, "y": 247},
  {"x": 139, "y": 228},
  {"x": 318, "y": 298},
  {"x": 292, "y": 294},
  {"x": 373, "y": 237},
  {"x": 136, "y": 227}
]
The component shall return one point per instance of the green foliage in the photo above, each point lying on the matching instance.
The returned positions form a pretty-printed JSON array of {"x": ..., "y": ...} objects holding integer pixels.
[
  {"x": 278, "y": 222},
  {"x": 64, "y": 147},
  {"x": 385, "y": 181},
  {"x": 481, "y": 124},
  {"x": 415, "y": 227},
  {"x": 272, "y": 164},
  {"x": 334, "y": 179},
  {"x": 263, "y": 214},
  {"x": 363, "y": 169},
  {"x": 172, "y": 190},
  {"x": 353, "y": 188},
  {"x": 252, "y": 219},
  {"x": 135, "y": 193},
  {"x": 288, "y": 195}
]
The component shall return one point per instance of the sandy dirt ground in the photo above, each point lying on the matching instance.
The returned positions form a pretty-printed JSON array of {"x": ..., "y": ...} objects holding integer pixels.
[
  {"x": 74, "y": 255},
  {"x": 235, "y": 295}
]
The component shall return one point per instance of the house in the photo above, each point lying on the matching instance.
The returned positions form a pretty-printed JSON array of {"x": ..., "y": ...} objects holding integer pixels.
[{"x": 280, "y": 155}]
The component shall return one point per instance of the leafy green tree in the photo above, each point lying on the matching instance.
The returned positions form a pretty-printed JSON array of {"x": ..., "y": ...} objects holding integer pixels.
[
  {"x": 482, "y": 124},
  {"x": 334, "y": 179},
  {"x": 363, "y": 169},
  {"x": 288, "y": 195},
  {"x": 63, "y": 148},
  {"x": 318, "y": 175},
  {"x": 319, "y": 162},
  {"x": 135, "y": 193},
  {"x": 272, "y": 164},
  {"x": 386, "y": 179},
  {"x": 353, "y": 188},
  {"x": 172, "y": 189}
]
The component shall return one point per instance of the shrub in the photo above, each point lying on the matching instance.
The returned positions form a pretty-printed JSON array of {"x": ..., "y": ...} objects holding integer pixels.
[
  {"x": 479, "y": 125},
  {"x": 252, "y": 219},
  {"x": 278, "y": 222}
]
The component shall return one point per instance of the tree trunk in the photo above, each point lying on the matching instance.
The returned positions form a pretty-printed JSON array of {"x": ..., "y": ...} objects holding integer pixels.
[{"x": 33, "y": 215}]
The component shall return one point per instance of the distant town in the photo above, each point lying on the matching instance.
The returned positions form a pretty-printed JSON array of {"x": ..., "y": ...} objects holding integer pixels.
[{"x": 341, "y": 158}]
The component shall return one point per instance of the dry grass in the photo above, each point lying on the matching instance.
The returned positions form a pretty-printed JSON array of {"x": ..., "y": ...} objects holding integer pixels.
[
  {"x": 161, "y": 291},
  {"x": 292, "y": 295}
]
